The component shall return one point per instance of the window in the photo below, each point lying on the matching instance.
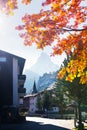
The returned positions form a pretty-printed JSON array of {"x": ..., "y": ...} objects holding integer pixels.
[
  {"x": 21, "y": 101},
  {"x": 2, "y": 59}
]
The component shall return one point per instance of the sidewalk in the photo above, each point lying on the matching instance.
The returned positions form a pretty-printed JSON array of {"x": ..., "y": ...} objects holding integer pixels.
[{"x": 69, "y": 124}]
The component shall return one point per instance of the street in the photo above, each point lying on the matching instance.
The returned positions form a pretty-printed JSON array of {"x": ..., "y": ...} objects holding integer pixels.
[{"x": 34, "y": 123}]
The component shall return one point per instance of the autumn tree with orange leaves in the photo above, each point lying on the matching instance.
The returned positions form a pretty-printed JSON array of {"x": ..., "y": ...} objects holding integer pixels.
[{"x": 63, "y": 26}]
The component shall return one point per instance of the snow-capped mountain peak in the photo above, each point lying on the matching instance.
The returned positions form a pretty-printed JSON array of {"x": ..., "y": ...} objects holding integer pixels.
[{"x": 44, "y": 65}]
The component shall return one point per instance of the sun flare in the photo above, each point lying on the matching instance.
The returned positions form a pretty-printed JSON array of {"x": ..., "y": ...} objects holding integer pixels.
[{"x": 3, "y": 22}]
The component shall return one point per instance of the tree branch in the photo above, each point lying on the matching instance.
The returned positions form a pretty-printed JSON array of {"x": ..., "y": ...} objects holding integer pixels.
[{"x": 72, "y": 29}]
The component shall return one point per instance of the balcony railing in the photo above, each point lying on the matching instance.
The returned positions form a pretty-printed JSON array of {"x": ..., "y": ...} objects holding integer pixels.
[
  {"x": 21, "y": 90},
  {"x": 22, "y": 77}
]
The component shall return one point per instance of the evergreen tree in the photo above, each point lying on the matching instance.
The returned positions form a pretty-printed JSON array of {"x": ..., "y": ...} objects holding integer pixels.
[
  {"x": 39, "y": 102},
  {"x": 34, "y": 88},
  {"x": 46, "y": 100},
  {"x": 59, "y": 97}
]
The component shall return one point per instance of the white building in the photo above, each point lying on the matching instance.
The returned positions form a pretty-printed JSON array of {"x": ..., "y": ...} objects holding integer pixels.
[{"x": 30, "y": 100}]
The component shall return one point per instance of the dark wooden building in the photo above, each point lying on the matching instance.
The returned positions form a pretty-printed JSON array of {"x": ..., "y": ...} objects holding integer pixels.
[{"x": 11, "y": 69}]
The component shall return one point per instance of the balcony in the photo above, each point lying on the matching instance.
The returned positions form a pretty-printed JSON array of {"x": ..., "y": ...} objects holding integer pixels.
[
  {"x": 22, "y": 90},
  {"x": 22, "y": 77},
  {"x": 21, "y": 80}
]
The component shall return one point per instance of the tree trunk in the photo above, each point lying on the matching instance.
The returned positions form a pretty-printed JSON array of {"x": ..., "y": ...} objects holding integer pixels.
[
  {"x": 61, "y": 112},
  {"x": 75, "y": 119},
  {"x": 80, "y": 124}
]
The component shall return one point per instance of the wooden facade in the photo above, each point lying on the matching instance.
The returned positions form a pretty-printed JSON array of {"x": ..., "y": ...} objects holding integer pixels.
[{"x": 11, "y": 66}]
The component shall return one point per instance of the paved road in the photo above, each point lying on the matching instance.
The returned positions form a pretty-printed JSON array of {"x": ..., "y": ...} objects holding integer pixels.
[
  {"x": 33, "y": 123},
  {"x": 69, "y": 124}
]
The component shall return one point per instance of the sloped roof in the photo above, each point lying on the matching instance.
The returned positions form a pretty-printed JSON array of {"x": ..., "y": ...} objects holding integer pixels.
[{"x": 31, "y": 95}]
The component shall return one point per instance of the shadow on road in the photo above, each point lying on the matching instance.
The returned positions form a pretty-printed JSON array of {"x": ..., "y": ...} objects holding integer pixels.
[{"x": 28, "y": 125}]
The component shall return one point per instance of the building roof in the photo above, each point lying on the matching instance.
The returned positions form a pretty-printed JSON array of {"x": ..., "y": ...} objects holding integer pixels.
[
  {"x": 21, "y": 61},
  {"x": 52, "y": 86},
  {"x": 31, "y": 95}
]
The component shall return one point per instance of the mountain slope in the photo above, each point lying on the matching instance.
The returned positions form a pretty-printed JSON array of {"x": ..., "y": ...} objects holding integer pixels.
[
  {"x": 42, "y": 66},
  {"x": 46, "y": 80},
  {"x": 30, "y": 77}
]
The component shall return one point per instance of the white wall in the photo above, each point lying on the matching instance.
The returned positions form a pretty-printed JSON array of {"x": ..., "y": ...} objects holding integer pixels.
[
  {"x": 15, "y": 82},
  {"x": 33, "y": 101}
]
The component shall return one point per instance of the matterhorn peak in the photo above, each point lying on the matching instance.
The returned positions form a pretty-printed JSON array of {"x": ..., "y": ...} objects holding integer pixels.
[{"x": 44, "y": 65}]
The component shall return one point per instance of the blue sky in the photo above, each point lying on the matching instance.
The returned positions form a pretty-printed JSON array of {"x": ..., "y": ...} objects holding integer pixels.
[{"x": 11, "y": 42}]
